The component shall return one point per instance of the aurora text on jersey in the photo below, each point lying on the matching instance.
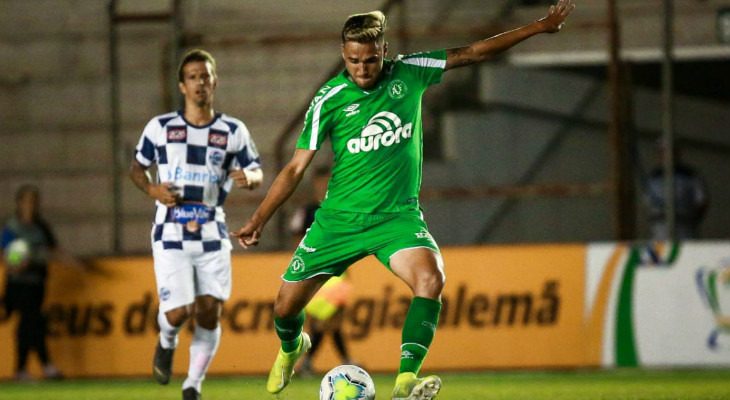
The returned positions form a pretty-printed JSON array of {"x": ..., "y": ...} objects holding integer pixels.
[{"x": 376, "y": 135}]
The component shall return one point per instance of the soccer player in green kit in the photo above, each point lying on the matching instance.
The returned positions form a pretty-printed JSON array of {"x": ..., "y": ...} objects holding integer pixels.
[{"x": 372, "y": 115}]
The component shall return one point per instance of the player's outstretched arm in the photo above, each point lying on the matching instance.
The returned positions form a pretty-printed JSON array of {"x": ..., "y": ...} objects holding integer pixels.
[
  {"x": 282, "y": 188},
  {"x": 487, "y": 49}
]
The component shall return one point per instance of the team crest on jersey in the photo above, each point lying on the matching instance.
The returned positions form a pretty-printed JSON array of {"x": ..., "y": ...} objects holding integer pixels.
[
  {"x": 218, "y": 139},
  {"x": 176, "y": 134},
  {"x": 215, "y": 157},
  {"x": 397, "y": 89},
  {"x": 383, "y": 130}
]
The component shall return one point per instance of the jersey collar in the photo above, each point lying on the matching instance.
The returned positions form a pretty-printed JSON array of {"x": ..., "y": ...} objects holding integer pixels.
[{"x": 215, "y": 118}]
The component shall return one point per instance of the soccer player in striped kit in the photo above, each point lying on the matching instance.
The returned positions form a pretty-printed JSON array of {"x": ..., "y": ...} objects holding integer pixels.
[
  {"x": 200, "y": 155},
  {"x": 372, "y": 115}
]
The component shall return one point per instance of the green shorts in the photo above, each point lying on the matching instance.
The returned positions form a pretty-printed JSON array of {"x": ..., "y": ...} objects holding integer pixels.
[{"x": 338, "y": 239}]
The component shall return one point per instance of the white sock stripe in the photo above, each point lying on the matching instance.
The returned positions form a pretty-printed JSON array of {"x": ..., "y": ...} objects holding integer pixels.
[{"x": 415, "y": 344}]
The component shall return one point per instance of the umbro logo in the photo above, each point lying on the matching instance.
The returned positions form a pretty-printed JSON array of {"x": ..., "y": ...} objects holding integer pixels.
[{"x": 351, "y": 110}]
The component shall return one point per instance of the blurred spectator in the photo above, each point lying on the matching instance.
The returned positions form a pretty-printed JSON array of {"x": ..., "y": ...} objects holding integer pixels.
[
  {"x": 690, "y": 200},
  {"x": 325, "y": 310},
  {"x": 26, "y": 268}
]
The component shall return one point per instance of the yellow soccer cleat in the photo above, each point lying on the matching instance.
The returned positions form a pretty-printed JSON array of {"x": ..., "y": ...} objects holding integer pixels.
[
  {"x": 409, "y": 387},
  {"x": 283, "y": 368}
]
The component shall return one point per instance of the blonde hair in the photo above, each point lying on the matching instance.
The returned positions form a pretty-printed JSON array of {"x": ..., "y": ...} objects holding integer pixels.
[
  {"x": 193, "y": 56},
  {"x": 363, "y": 28}
]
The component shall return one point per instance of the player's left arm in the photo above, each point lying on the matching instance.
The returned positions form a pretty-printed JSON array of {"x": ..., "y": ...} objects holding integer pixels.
[
  {"x": 487, "y": 49},
  {"x": 247, "y": 172}
]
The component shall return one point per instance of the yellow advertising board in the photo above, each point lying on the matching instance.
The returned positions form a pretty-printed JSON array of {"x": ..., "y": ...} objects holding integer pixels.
[{"x": 503, "y": 307}]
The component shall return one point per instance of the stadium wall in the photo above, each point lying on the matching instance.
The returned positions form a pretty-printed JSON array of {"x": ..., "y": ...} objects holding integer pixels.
[
  {"x": 55, "y": 103},
  {"x": 504, "y": 307}
]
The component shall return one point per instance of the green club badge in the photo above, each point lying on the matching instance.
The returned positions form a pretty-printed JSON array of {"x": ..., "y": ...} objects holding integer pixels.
[{"x": 397, "y": 89}]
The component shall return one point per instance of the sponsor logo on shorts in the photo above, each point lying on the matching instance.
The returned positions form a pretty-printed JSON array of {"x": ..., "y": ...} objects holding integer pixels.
[
  {"x": 176, "y": 133},
  {"x": 397, "y": 89},
  {"x": 164, "y": 294},
  {"x": 383, "y": 130},
  {"x": 306, "y": 248},
  {"x": 297, "y": 264},
  {"x": 425, "y": 235}
]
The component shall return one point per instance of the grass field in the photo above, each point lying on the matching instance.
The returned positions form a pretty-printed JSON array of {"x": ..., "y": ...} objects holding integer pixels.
[{"x": 576, "y": 385}]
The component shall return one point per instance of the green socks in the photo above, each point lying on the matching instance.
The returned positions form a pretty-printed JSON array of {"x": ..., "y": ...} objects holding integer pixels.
[
  {"x": 289, "y": 331},
  {"x": 418, "y": 331}
]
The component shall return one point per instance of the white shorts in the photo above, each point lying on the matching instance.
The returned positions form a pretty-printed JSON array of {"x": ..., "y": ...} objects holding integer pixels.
[{"x": 183, "y": 275}]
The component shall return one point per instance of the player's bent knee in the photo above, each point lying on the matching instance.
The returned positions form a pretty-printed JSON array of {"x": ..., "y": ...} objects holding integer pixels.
[
  {"x": 176, "y": 317},
  {"x": 430, "y": 285},
  {"x": 208, "y": 311},
  {"x": 207, "y": 321}
]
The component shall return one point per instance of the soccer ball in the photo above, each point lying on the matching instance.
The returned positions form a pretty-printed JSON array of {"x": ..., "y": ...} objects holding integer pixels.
[
  {"x": 16, "y": 253},
  {"x": 347, "y": 382}
]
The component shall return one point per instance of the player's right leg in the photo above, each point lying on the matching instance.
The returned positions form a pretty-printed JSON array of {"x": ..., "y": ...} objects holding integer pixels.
[
  {"x": 176, "y": 291},
  {"x": 289, "y": 322}
]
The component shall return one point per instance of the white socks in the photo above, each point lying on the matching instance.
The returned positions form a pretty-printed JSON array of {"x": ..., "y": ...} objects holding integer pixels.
[
  {"x": 204, "y": 345},
  {"x": 168, "y": 333}
]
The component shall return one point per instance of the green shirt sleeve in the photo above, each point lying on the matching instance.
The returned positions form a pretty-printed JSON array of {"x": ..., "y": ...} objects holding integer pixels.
[{"x": 427, "y": 66}]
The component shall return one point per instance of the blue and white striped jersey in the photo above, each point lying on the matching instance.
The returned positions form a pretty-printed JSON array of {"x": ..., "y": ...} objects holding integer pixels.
[{"x": 197, "y": 161}]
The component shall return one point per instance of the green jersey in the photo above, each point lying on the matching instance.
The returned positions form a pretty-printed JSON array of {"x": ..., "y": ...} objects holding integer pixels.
[{"x": 376, "y": 135}]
